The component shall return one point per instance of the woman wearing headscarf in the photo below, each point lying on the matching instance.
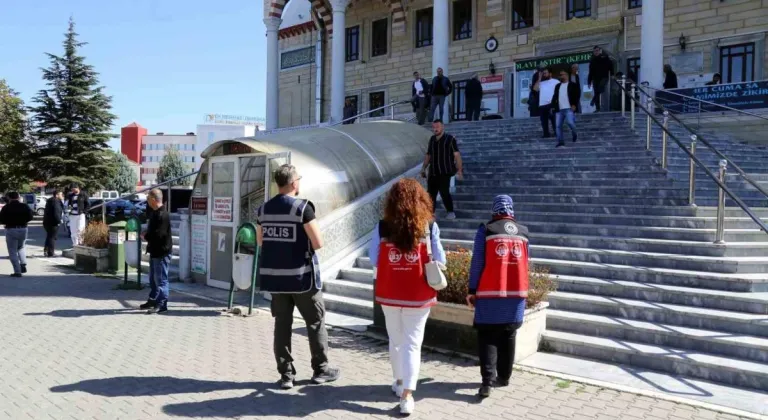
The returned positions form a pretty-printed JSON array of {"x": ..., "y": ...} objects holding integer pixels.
[
  {"x": 498, "y": 288},
  {"x": 399, "y": 251}
]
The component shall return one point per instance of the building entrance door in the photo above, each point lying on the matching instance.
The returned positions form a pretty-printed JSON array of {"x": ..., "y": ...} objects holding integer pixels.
[{"x": 459, "y": 103}]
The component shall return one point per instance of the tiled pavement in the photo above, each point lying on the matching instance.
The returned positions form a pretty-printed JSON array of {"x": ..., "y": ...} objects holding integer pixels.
[{"x": 72, "y": 347}]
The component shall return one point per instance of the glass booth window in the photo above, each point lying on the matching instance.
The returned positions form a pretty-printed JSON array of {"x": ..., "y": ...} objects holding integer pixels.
[
  {"x": 376, "y": 100},
  {"x": 222, "y": 187}
]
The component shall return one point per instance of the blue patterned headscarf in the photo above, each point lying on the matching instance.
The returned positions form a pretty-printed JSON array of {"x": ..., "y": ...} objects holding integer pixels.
[{"x": 503, "y": 206}]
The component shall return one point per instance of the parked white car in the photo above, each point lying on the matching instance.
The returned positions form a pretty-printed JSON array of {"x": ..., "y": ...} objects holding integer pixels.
[{"x": 40, "y": 207}]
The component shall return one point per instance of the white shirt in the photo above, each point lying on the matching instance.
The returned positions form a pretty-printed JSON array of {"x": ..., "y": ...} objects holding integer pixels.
[
  {"x": 419, "y": 87},
  {"x": 547, "y": 91},
  {"x": 565, "y": 103}
]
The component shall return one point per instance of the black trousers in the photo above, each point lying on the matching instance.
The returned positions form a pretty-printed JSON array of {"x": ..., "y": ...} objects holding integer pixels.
[
  {"x": 473, "y": 110},
  {"x": 440, "y": 184},
  {"x": 51, "y": 234},
  {"x": 496, "y": 349},
  {"x": 312, "y": 309},
  {"x": 547, "y": 115}
]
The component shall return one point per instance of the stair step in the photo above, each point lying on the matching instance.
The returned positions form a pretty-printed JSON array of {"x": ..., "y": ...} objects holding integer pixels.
[
  {"x": 624, "y": 199},
  {"x": 359, "y": 275},
  {"x": 735, "y": 372},
  {"x": 481, "y": 209},
  {"x": 362, "y": 308},
  {"x": 346, "y": 288},
  {"x": 714, "y": 342}
]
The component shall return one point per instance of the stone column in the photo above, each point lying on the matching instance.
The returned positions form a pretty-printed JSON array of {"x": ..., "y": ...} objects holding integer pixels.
[
  {"x": 273, "y": 72},
  {"x": 440, "y": 41},
  {"x": 338, "y": 58},
  {"x": 652, "y": 44}
]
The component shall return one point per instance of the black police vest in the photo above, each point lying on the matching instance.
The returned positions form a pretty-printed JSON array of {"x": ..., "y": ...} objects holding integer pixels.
[{"x": 287, "y": 263}]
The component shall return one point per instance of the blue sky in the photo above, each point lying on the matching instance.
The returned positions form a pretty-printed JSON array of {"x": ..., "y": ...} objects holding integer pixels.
[{"x": 166, "y": 63}]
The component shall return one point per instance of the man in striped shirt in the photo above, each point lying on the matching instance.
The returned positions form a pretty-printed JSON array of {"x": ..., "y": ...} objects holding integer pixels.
[{"x": 444, "y": 161}]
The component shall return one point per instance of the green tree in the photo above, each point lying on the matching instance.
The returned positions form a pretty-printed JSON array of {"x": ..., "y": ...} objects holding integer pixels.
[
  {"x": 72, "y": 121},
  {"x": 172, "y": 166},
  {"x": 125, "y": 178},
  {"x": 15, "y": 146}
]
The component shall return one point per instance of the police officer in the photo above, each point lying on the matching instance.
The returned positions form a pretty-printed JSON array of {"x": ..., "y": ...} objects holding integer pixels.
[
  {"x": 289, "y": 236},
  {"x": 498, "y": 288}
]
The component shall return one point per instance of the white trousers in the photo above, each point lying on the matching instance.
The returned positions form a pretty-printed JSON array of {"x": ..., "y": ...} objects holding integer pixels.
[
  {"x": 76, "y": 227},
  {"x": 405, "y": 327}
]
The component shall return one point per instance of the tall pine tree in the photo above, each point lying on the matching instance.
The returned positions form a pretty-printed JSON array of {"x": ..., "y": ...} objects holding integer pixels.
[
  {"x": 72, "y": 120},
  {"x": 172, "y": 166}
]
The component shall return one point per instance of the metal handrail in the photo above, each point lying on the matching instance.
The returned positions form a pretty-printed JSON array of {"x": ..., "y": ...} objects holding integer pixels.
[
  {"x": 391, "y": 105},
  {"x": 740, "y": 111},
  {"x": 105, "y": 201},
  {"x": 694, "y": 159},
  {"x": 720, "y": 154}
]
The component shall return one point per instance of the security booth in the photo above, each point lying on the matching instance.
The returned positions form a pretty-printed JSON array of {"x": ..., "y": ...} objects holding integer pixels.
[{"x": 337, "y": 165}]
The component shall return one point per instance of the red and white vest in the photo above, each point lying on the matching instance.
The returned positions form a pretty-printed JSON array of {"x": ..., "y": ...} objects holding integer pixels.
[
  {"x": 401, "y": 280},
  {"x": 506, "y": 261}
]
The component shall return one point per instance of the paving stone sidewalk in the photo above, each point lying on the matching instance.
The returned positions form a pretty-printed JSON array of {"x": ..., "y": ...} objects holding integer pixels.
[{"x": 72, "y": 347}]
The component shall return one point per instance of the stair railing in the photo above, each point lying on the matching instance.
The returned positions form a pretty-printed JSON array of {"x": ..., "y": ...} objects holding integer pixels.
[
  {"x": 719, "y": 179},
  {"x": 391, "y": 107}
]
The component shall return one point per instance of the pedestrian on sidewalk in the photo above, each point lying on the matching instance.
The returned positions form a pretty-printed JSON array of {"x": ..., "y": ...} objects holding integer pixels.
[
  {"x": 289, "y": 238},
  {"x": 565, "y": 102},
  {"x": 441, "y": 88},
  {"x": 15, "y": 216},
  {"x": 546, "y": 88},
  {"x": 498, "y": 288},
  {"x": 398, "y": 251},
  {"x": 78, "y": 208},
  {"x": 444, "y": 161},
  {"x": 54, "y": 208},
  {"x": 159, "y": 247}
]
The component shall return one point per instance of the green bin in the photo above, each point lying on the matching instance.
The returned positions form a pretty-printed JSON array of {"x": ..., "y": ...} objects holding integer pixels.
[{"x": 116, "y": 247}]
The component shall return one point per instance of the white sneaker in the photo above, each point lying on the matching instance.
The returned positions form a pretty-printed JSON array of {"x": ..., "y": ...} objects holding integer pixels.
[
  {"x": 407, "y": 406},
  {"x": 397, "y": 389},
  {"x": 451, "y": 216}
]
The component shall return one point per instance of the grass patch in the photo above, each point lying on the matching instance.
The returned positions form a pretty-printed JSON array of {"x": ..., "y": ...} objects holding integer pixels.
[{"x": 563, "y": 384}]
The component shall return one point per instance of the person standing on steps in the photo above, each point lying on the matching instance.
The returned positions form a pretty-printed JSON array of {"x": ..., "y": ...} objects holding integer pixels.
[
  {"x": 349, "y": 112},
  {"x": 159, "y": 247},
  {"x": 574, "y": 78},
  {"x": 16, "y": 216},
  {"x": 54, "y": 208},
  {"x": 670, "y": 77},
  {"x": 600, "y": 70},
  {"x": 564, "y": 102},
  {"x": 399, "y": 249},
  {"x": 498, "y": 288},
  {"x": 78, "y": 208},
  {"x": 546, "y": 88},
  {"x": 289, "y": 269},
  {"x": 419, "y": 97},
  {"x": 441, "y": 87},
  {"x": 444, "y": 161},
  {"x": 474, "y": 97}
]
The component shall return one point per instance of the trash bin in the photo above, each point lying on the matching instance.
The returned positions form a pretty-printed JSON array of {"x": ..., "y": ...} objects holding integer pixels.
[
  {"x": 132, "y": 245},
  {"x": 116, "y": 245},
  {"x": 244, "y": 273}
]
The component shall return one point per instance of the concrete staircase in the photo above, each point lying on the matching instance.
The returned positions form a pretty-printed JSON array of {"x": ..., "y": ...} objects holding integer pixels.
[{"x": 640, "y": 281}]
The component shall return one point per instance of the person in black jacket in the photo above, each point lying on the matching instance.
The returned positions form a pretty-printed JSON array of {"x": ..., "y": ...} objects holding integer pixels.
[
  {"x": 574, "y": 78},
  {"x": 350, "y": 110},
  {"x": 15, "y": 216},
  {"x": 419, "y": 97},
  {"x": 670, "y": 77},
  {"x": 600, "y": 70},
  {"x": 565, "y": 102},
  {"x": 51, "y": 221},
  {"x": 441, "y": 88},
  {"x": 474, "y": 96},
  {"x": 159, "y": 247}
]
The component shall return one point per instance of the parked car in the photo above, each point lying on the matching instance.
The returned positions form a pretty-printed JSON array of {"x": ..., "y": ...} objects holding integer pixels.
[
  {"x": 107, "y": 195},
  {"x": 40, "y": 209}
]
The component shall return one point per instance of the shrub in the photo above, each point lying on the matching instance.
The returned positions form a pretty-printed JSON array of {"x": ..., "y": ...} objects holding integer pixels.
[
  {"x": 96, "y": 235},
  {"x": 540, "y": 283}
]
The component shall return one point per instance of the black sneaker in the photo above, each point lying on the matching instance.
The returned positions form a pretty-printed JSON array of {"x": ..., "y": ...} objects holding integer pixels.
[
  {"x": 560, "y": 145},
  {"x": 157, "y": 310},
  {"x": 500, "y": 383},
  {"x": 148, "y": 305},
  {"x": 574, "y": 138},
  {"x": 285, "y": 383},
  {"x": 16, "y": 275},
  {"x": 330, "y": 375},
  {"x": 23, "y": 268},
  {"x": 484, "y": 392}
]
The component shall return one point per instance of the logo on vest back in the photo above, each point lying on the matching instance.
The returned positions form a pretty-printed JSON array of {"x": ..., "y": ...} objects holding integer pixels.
[
  {"x": 502, "y": 250},
  {"x": 280, "y": 232},
  {"x": 412, "y": 257},
  {"x": 510, "y": 228},
  {"x": 395, "y": 256},
  {"x": 517, "y": 250}
]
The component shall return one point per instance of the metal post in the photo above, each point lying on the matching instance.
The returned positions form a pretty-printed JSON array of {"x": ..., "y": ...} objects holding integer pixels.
[
  {"x": 648, "y": 127},
  {"x": 720, "y": 231},
  {"x": 692, "y": 174},
  {"x": 392, "y": 110},
  {"x": 664, "y": 141},
  {"x": 632, "y": 106},
  {"x": 138, "y": 265},
  {"x": 623, "y": 95},
  {"x": 104, "y": 211},
  {"x": 168, "y": 209}
]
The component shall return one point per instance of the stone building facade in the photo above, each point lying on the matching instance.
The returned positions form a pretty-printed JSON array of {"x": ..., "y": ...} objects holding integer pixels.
[{"x": 383, "y": 42}]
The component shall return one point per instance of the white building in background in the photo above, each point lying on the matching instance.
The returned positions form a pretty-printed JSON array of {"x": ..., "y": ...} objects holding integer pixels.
[
  {"x": 154, "y": 146},
  {"x": 211, "y": 133}
]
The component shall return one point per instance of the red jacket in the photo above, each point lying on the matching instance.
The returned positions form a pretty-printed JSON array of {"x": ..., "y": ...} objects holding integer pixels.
[
  {"x": 506, "y": 261},
  {"x": 401, "y": 280}
]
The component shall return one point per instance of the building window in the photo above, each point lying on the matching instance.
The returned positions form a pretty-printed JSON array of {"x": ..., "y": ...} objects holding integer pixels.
[
  {"x": 578, "y": 9},
  {"x": 353, "y": 43},
  {"x": 635, "y": 4},
  {"x": 376, "y": 100},
  {"x": 379, "y": 37},
  {"x": 737, "y": 63},
  {"x": 633, "y": 68},
  {"x": 462, "y": 19},
  {"x": 522, "y": 14},
  {"x": 353, "y": 100},
  {"x": 424, "y": 27}
]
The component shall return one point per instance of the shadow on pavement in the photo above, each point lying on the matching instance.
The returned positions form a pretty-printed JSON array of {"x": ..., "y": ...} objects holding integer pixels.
[
  {"x": 265, "y": 398},
  {"x": 77, "y": 313}
]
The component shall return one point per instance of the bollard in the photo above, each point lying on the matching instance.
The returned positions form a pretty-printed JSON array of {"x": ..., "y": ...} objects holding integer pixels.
[
  {"x": 664, "y": 141},
  {"x": 623, "y": 95},
  {"x": 632, "y": 106},
  {"x": 392, "y": 110},
  {"x": 720, "y": 231},
  {"x": 692, "y": 174}
]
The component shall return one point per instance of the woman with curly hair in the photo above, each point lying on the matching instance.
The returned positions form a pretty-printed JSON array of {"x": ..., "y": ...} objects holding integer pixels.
[{"x": 398, "y": 251}]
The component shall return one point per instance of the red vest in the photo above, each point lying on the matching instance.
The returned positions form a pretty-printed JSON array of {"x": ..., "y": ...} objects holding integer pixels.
[
  {"x": 506, "y": 261},
  {"x": 400, "y": 277}
]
